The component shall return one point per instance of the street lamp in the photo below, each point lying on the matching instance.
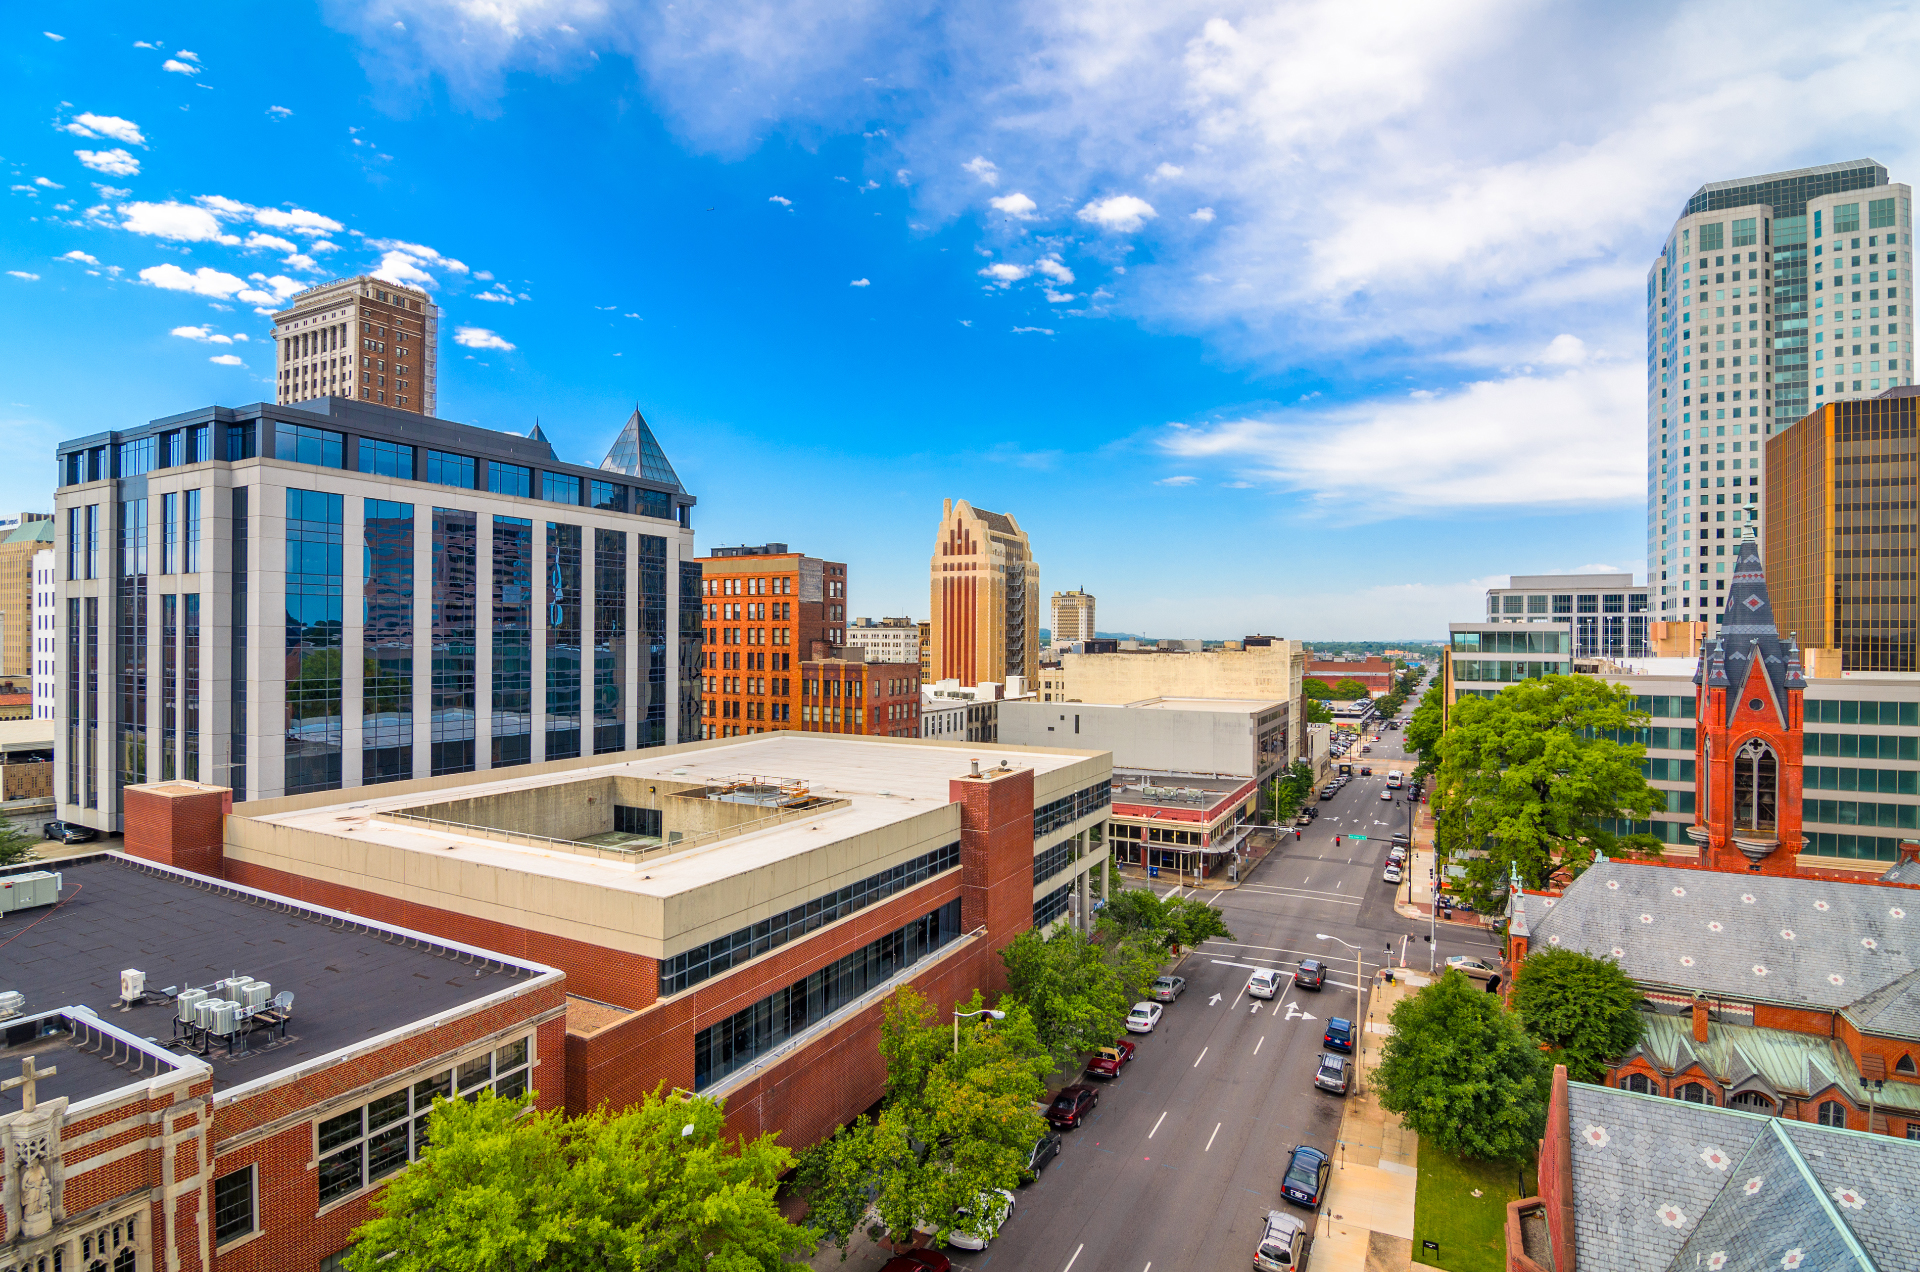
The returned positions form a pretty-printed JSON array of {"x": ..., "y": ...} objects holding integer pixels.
[
  {"x": 1359, "y": 1025},
  {"x": 958, "y": 1016}
]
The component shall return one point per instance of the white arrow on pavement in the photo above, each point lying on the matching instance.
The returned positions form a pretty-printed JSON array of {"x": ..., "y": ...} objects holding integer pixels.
[
  {"x": 1214, "y": 1001},
  {"x": 1294, "y": 1013}
]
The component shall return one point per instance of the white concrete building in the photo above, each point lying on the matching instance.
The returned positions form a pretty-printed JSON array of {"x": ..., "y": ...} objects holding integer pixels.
[
  {"x": 46, "y": 592},
  {"x": 891, "y": 640},
  {"x": 1772, "y": 296},
  {"x": 1228, "y": 737}
]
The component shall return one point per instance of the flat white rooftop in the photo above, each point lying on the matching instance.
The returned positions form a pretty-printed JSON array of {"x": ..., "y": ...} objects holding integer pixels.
[
  {"x": 913, "y": 777},
  {"x": 1232, "y": 706}
]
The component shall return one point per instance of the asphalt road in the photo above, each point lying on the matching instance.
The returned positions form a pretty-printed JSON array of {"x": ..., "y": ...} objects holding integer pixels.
[{"x": 1178, "y": 1166}]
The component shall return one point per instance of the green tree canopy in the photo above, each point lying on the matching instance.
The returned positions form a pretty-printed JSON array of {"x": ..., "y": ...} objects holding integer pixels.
[
  {"x": 1463, "y": 1074},
  {"x": 1076, "y": 990},
  {"x": 1422, "y": 734},
  {"x": 955, "y": 1123},
  {"x": 1585, "y": 1008},
  {"x": 17, "y": 844},
  {"x": 1349, "y": 689},
  {"x": 502, "y": 1189},
  {"x": 1318, "y": 712},
  {"x": 1314, "y": 687},
  {"x": 1164, "y": 922},
  {"x": 1534, "y": 776}
]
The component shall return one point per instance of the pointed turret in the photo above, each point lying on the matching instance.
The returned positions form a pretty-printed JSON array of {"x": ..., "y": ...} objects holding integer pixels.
[
  {"x": 1717, "y": 666},
  {"x": 535, "y": 435},
  {"x": 637, "y": 454},
  {"x": 1748, "y": 629}
]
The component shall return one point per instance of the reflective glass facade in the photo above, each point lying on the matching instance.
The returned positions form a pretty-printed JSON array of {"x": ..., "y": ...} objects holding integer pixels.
[
  {"x": 386, "y": 719},
  {"x": 609, "y": 639},
  {"x": 563, "y": 641},
  {"x": 315, "y": 582},
  {"x": 513, "y": 605},
  {"x": 456, "y": 601}
]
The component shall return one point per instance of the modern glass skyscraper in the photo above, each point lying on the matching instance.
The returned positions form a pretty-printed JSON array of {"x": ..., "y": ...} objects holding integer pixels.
[
  {"x": 1773, "y": 295},
  {"x": 339, "y": 594}
]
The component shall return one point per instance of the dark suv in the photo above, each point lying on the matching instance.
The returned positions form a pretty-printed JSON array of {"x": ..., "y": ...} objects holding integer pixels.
[
  {"x": 1071, "y": 1106},
  {"x": 1312, "y": 974},
  {"x": 1339, "y": 1035},
  {"x": 1306, "y": 1179}
]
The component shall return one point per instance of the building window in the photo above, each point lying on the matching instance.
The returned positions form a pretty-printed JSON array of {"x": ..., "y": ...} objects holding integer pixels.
[
  {"x": 190, "y": 687},
  {"x": 609, "y": 639},
  {"x": 444, "y": 469},
  {"x": 305, "y": 444},
  {"x": 190, "y": 538},
  {"x": 132, "y": 639},
  {"x": 563, "y": 641},
  {"x": 1637, "y": 1082},
  {"x": 385, "y": 459},
  {"x": 609, "y": 496},
  {"x": 239, "y": 442},
  {"x": 512, "y": 640},
  {"x": 364, "y": 1145},
  {"x": 233, "y": 1205},
  {"x": 1904, "y": 1066},
  {"x": 1833, "y": 1113},
  {"x": 509, "y": 479},
  {"x": 169, "y": 532},
  {"x": 455, "y": 635},
  {"x": 559, "y": 488},
  {"x": 1694, "y": 1093},
  {"x": 1052, "y": 906},
  {"x": 237, "y": 668},
  {"x": 386, "y": 727},
  {"x": 137, "y": 456},
  {"x": 314, "y": 582},
  {"x": 1755, "y": 785}
]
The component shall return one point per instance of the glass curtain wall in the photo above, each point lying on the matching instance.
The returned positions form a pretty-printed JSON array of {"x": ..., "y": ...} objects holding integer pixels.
[
  {"x": 93, "y": 654},
  {"x": 456, "y": 565},
  {"x": 315, "y": 584},
  {"x": 169, "y": 684},
  {"x": 650, "y": 709},
  {"x": 512, "y": 640},
  {"x": 563, "y": 641},
  {"x": 76, "y": 754},
  {"x": 190, "y": 686},
  {"x": 132, "y": 640},
  {"x": 690, "y": 639},
  {"x": 237, "y": 736},
  {"x": 386, "y": 722},
  {"x": 609, "y": 638}
]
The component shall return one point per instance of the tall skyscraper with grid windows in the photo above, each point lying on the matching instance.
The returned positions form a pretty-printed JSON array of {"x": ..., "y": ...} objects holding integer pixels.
[{"x": 1771, "y": 297}]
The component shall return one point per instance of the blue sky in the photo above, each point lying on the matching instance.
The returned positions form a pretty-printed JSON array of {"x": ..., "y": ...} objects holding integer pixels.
[{"x": 1258, "y": 317}]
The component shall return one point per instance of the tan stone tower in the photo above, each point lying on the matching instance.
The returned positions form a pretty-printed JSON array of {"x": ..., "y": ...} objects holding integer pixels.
[{"x": 985, "y": 593}]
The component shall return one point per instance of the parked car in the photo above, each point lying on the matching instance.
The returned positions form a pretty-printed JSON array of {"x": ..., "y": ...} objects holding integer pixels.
[
  {"x": 976, "y": 1225},
  {"x": 1283, "y": 1246},
  {"x": 68, "y": 832},
  {"x": 1265, "y": 982},
  {"x": 1306, "y": 1179},
  {"x": 1329, "y": 791},
  {"x": 923, "y": 1259},
  {"x": 1332, "y": 1074},
  {"x": 1312, "y": 974},
  {"x": 1339, "y": 1035},
  {"x": 1168, "y": 988},
  {"x": 1400, "y": 837},
  {"x": 1044, "y": 1150},
  {"x": 1387, "y": 795},
  {"x": 1071, "y": 1106},
  {"x": 1107, "y": 1061},
  {"x": 1392, "y": 873},
  {"x": 1144, "y": 1017},
  {"x": 1473, "y": 968}
]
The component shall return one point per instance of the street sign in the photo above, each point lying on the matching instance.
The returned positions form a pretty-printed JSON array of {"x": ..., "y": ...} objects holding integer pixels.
[{"x": 1356, "y": 836}]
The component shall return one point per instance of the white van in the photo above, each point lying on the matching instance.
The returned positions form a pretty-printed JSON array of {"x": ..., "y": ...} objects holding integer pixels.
[
  {"x": 1265, "y": 982},
  {"x": 1393, "y": 779}
]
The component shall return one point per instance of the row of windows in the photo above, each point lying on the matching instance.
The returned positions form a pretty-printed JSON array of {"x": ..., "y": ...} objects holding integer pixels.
[
  {"x": 1660, "y": 738},
  {"x": 1486, "y": 671},
  {"x": 756, "y": 1030},
  {"x": 1823, "y": 777},
  {"x": 1864, "y": 746},
  {"x": 1660, "y": 770},
  {"x": 1832, "y": 711},
  {"x": 1052, "y": 861},
  {"x": 1053, "y": 905},
  {"x": 1068, "y": 809},
  {"x": 774, "y": 586},
  {"x": 1568, "y": 603},
  {"x": 716, "y": 956},
  {"x": 1520, "y": 640},
  {"x": 1846, "y": 812}
]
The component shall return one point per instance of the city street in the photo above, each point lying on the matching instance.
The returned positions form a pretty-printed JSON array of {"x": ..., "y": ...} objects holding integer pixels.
[{"x": 1180, "y": 1163}]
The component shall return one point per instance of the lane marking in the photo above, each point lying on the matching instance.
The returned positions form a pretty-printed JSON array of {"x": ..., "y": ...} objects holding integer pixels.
[
  {"x": 1216, "y": 1131},
  {"x": 1256, "y": 1046},
  {"x": 1076, "y": 1254},
  {"x": 1156, "y": 1127},
  {"x": 1196, "y": 1061}
]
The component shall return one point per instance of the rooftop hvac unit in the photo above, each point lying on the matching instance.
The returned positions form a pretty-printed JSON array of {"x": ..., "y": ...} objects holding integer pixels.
[
  {"x": 225, "y": 1016},
  {"x": 12, "y": 1003},
  {"x": 25, "y": 891},
  {"x": 133, "y": 984},
  {"x": 186, "y": 1006},
  {"x": 256, "y": 994},
  {"x": 204, "y": 1009}
]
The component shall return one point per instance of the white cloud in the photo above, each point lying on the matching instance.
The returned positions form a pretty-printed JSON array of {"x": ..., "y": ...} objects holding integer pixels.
[
  {"x": 280, "y": 285},
  {"x": 115, "y": 162},
  {"x": 298, "y": 221},
  {"x": 860, "y": 282},
  {"x": 21, "y": 273},
  {"x": 77, "y": 255},
  {"x": 1006, "y": 273},
  {"x": 300, "y": 261},
  {"x": 633, "y": 316},
  {"x": 1059, "y": 297},
  {"x": 258, "y": 242},
  {"x": 278, "y": 112},
  {"x": 1052, "y": 267},
  {"x": 51, "y": 36},
  {"x": 110, "y": 192},
  {"x": 1202, "y": 215},
  {"x": 46, "y": 184},
  {"x": 1167, "y": 172},
  {"x": 202, "y": 282},
  {"x": 407, "y": 263},
  {"x": 226, "y": 360},
  {"x": 983, "y": 168},
  {"x": 188, "y": 55},
  {"x": 1182, "y": 480},
  {"x": 180, "y": 222},
  {"x": 179, "y": 68},
  {"x": 143, "y": 44},
  {"x": 481, "y": 274},
  {"x": 111, "y": 127},
  {"x": 1124, "y": 213},
  {"x": 398, "y": 267},
  {"x": 1564, "y": 351},
  {"x": 1015, "y": 204},
  {"x": 497, "y": 293},
  {"x": 782, "y": 201},
  {"x": 206, "y": 335},
  {"x": 1045, "y": 331},
  {"x": 480, "y": 338}
]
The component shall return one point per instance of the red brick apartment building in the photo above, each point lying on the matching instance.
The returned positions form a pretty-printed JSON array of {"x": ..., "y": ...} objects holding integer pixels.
[
  {"x": 140, "y": 1146},
  {"x": 730, "y": 914},
  {"x": 848, "y": 695},
  {"x": 1375, "y": 673},
  {"x": 765, "y": 609}
]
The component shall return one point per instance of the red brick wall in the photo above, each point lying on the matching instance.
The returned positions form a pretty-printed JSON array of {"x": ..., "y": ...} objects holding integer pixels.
[
  {"x": 185, "y": 831},
  {"x": 1794, "y": 1019},
  {"x": 1888, "y": 1049},
  {"x": 996, "y": 859},
  {"x": 1556, "y": 1171}
]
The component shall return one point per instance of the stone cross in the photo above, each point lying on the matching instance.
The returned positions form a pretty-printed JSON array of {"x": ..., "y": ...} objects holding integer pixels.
[{"x": 29, "y": 1075}]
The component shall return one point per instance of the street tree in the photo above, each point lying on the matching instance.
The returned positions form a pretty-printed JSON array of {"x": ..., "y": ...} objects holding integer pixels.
[
  {"x": 654, "y": 1188},
  {"x": 957, "y": 1121},
  {"x": 16, "y": 844},
  {"x": 1164, "y": 922},
  {"x": 1586, "y": 1009},
  {"x": 1349, "y": 689},
  {"x": 1314, "y": 687},
  {"x": 1318, "y": 712},
  {"x": 1536, "y": 778},
  {"x": 1291, "y": 790},
  {"x": 1422, "y": 734},
  {"x": 1076, "y": 990},
  {"x": 1463, "y": 1074}
]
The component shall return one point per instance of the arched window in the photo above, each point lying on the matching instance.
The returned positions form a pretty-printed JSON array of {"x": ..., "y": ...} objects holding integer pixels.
[
  {"x": 1694, "y": 1093},
  {"x": 1751, "y": 1100},
  {"x": 1756, "y": 782},
  {"x": 1904, "y": 1065},
  {"x": 1637, "y": 1082},
  {"x": 1833, "y": 1113}
]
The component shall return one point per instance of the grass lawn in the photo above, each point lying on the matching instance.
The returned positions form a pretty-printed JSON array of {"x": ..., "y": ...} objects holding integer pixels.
[{"x": 1471, "y": 1230}]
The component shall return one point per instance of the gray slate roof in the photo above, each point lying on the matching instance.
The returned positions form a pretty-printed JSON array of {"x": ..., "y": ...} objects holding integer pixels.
[
  {"x": 1906, "y": 871},
  {"x": 1749, "y": 639},
  {"x": 1800, "y": 942},
  {"x": 1664, "y": 1186}
]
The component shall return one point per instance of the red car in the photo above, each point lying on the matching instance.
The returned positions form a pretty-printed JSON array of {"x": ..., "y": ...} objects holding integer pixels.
[
  {"x": 1106, "y": 1062},
  {"x": 1071, "y": 1106},
  {"x": 921, "y": 1260}
]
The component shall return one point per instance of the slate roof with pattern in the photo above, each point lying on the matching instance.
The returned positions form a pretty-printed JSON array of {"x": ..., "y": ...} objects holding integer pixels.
[
  {"x": 1797, "y": 942},
  {"x": 1748, "y": 638},
  {"x": 1664, "y": 1186},
  {"x": 1905, "y": 872}
]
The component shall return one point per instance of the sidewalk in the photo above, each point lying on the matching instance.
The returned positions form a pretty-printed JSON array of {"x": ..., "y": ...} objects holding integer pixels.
[{"x": 1366, "y": 1222}]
